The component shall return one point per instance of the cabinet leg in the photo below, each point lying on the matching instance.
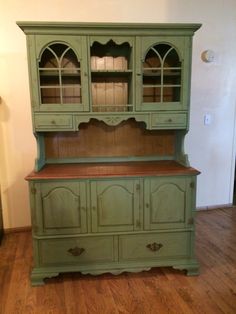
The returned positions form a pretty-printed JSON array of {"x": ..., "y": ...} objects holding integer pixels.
[
  {"x": 37, "y": 277},
  {"x": 191, "y": 269}
]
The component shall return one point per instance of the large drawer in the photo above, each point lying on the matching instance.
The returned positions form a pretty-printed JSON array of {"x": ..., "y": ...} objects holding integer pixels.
[
  {"x": 153, "y": 246},
  {"x": 78, "y": 251},
  {"x": 50, "y": 122},
  {"x": 170, "y": 120}
]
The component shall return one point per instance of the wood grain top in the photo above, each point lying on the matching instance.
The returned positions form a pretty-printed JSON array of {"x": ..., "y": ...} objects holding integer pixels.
[{"x": 109, "y": 170}]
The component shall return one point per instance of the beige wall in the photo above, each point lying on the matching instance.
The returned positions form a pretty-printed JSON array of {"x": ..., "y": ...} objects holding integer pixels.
[{"x": 211, "y": 148}]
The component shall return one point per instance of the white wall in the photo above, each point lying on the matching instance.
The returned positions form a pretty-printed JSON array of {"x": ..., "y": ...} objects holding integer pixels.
[{"x": 211, "y": 148}]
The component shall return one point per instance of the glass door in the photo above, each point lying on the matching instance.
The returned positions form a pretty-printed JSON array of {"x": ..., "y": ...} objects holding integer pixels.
[
  {"x": 62, "y": 74},
  {"x": 161, "y": 75}
]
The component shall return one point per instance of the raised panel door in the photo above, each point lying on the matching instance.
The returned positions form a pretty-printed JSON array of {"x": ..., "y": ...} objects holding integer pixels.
[
  {"x": 168, "y": 202},
  {"x": 115, "y": 205},
  {"x": 61, "y": 208}
]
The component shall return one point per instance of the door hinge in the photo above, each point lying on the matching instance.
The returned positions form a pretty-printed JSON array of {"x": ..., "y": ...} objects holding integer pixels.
[
  {"x": 192, "y": 185},
  {"x": 138, "y": 223},
  {"x": 138, "y": 187}
]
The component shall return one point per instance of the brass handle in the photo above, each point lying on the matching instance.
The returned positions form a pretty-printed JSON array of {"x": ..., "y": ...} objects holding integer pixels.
[
  {"x": 76, "y": 251},
  {"x": 169, "y": 120},
  {"x": 53, "y": 122},
  {"x": 154, "y": 246}
]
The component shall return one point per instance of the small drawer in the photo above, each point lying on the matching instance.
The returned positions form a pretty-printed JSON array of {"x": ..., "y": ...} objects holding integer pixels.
[
  {"x": 78, "y": 251},
  {"x": 161, "y": 120},
  {"x": 53, "y": 121},
  {"x": 153, "y": 246}
]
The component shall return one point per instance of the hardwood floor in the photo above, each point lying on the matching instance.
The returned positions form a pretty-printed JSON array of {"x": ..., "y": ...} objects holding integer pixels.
[{"x": 161, "y": 290}]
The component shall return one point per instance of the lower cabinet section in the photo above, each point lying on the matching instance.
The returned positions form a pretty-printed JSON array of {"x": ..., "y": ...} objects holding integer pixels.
[
  {"x": 115, "y": 224},
  {"x": 115, "y": 254}
]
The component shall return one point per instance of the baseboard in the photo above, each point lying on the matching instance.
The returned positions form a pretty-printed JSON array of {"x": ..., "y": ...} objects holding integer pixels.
[
  {"x": 215, "y": 206},
  {"x": 19, "y": 229}
]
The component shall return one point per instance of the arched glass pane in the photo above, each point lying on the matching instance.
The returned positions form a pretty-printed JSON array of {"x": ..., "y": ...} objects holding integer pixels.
[
  {"x": 161, "y": 74},
  {"x": 48, "y": 60},
  {"x": 152, "y": 60},
  {"x": 58, "y": 49},
  {"x": 59, "y": 70},
  {"x": 162, "y": 49},
  {"x": 70, "y": 60},
  {"x": 172, "y": 59}
]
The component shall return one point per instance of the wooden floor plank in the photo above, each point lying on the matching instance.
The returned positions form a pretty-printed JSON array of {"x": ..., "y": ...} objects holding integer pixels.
[{"x": 160, "y": 290}]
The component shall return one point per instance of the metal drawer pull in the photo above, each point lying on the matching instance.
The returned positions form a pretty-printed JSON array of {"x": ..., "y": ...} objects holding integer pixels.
[
  {"x": 76, "y": 251},
  {"x": 154, "y": 246}
]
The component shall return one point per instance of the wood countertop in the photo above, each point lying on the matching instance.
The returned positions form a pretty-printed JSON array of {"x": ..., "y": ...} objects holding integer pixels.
[{"x": 109, "y": 170}]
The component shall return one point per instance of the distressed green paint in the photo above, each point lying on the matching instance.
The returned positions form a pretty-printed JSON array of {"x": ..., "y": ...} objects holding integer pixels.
[
  {"x": 115, "y": 205},
  {"x": 80, "y": 36},
  {"x": 161, "y": 212},
  {"x": 117, "y": 224},
  {"x": 127, "y": 215}
]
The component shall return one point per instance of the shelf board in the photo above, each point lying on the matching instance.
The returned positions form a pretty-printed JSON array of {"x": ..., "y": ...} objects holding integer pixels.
[{"x": 111, "y": 73}]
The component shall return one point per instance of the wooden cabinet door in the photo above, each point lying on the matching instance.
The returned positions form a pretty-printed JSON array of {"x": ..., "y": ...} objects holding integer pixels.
[
  {"x": 115, "y": 205},
  {"x": 168, "y": 202},
  {"x": 162, "y": 81},
  {"x": 58, "y": 64},
  {"x": 60, "y": 208}
]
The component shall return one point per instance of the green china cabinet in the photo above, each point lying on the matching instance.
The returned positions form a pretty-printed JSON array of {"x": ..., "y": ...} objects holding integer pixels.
[{"x": 112, "y": 189}]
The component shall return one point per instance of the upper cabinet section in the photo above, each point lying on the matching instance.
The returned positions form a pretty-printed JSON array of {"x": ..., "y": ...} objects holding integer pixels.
[{"x": 115, "y": 71}]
